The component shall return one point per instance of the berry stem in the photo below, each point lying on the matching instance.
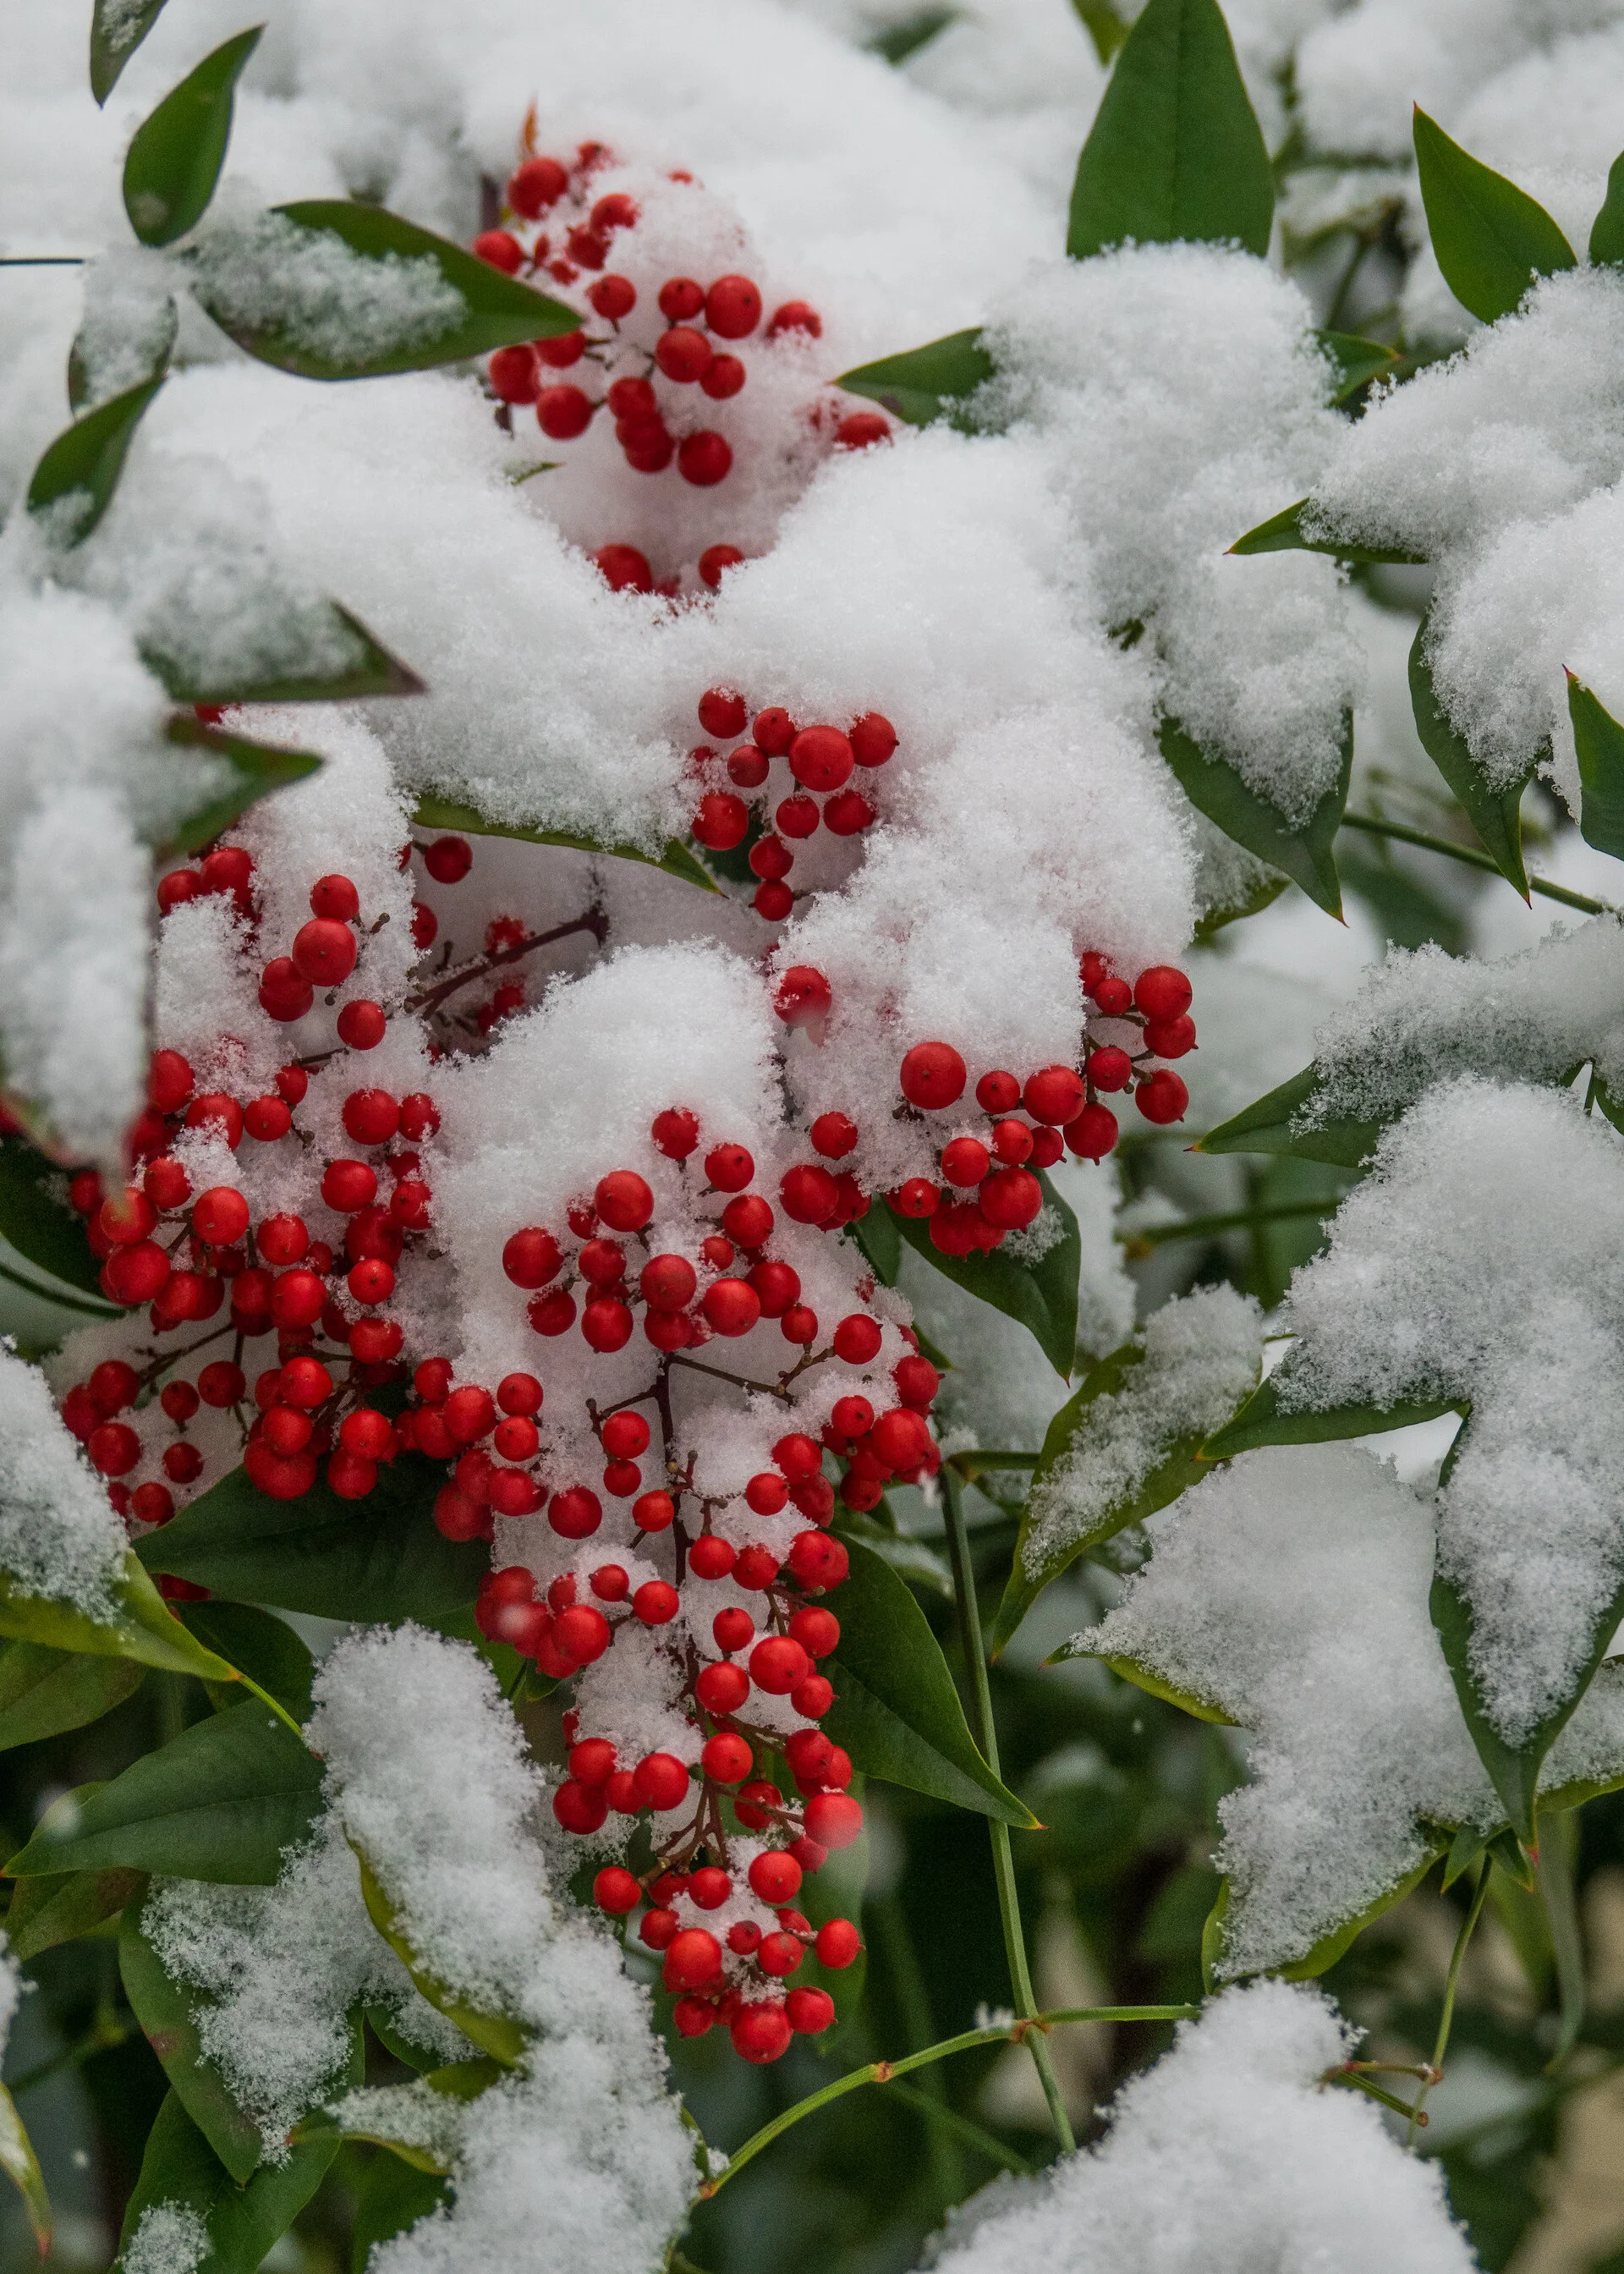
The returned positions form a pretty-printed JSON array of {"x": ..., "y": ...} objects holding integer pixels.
[
  {"x": 1475, "y": 860},
  {"x": 887, "y": 2072},
  {"x": 739, "y": 1380},
  {"x": 1441, "y": 2044},
  {"x": 1002, "y": 1860},
  {"x": 594, "y": 921}
]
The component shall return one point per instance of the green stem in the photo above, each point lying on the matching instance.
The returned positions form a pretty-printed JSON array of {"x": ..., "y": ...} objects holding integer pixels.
[
  {"x": 1002, "y": 1860},
  {"x": 1452, "y": 1982},
  {"x": 886, "y": 2072},
  {"x": 1380, "y": 2092},
  {"x": 65, "y": 1302},
  {"x": 1209, "y": 1227},
  {"x": 275, "y": 1704},
  {"x": 1554, "y": 1877},
  {"x": 42, "y": 260},
  {"x": 1475, "y": 860}
]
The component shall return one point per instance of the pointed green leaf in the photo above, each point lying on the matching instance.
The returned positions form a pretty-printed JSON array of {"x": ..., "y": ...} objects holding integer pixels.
[
  {"x": 676, "y": 860},
  {"x": 1143, "y": 1678},
  {"x": 925, "y": 384},
  {"x": 1495, "y": 814},
  {"x": 181, "y": 2172},
  {"x": 1261, "y": 1422},
  {"x": 1356, "y": 361},
  {"x": 141, "y": 1627},
  {"x": 365, "y": 666},
  {"x": 261, "y": 1645},
  {"x": 58, "y": 1907},
  {"x": 1266, "y": 1127},
  {"x": 898, "y": 41},
  {"x": 1331, "y": 1946},
  {"x": 896, "y": 1710},
  {"x": 1283, "y": 532},
  {"x": 1608, "y": 229},
  {"x": 1491, "y": 239},
  {"x": 40, "y": 1225},
  {"x": 1042, "y": 1296},
  {"x": 219, "y": 1802},
  {"x": 1176, "y": 151},
  {"x": 165, "y": 2011},
  {"x": 43, "y": 1691},
  {"x": 1307, "y": 855},
  {"x": 259, "y": 768},
  {"x": 147, "y": 345},
  {"x": 392, "y": 2197},
  {"x": 1103, "y": 25},
  {"x": 176, "y": 155},
  {"x": 83, "y": 465},
  {"x": 1599, "y": 739},
  {"x": 118, "y": 28},
  {"x": 910, "y": 1559},
  {"x": 380, "y": 1558},
  {"x": 279, "y": 287},
  {"x": 21, "y": 2166},
  {"x": 493, "y": 2033}
]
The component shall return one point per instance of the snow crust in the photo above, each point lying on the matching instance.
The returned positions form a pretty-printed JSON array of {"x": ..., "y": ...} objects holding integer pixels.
[{"x": 60, "y": 1537}]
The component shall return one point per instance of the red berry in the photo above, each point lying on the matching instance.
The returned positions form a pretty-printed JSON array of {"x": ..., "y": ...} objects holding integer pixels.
[
  {"x": 362, "y": 1025},
  {"x": 721, "y": 820},
  {"x": 349, "y": 1185},
  {"x": 838, "y": 1943},
  {"x": 128, "y": 1215},
  {"x": 563, "y": 412},
  {"x": 500, "y": 250},
  {"x": 1054, "y": 1094},
  {"x": 803, "y": 995},
  {"x": 760, "y": 2032},
  {"x": 297, "y": 1298},
  {"x": 820, "y": 758},
  {"x": 219, "y": 1384},
  {"x": 965, "y": 1160},
  {"x": 1163, "y": 1098},
  {"x": 693, "y": 2016},
  {"x": 580, "y": 1807},
  {"x": 797, "y": 817},
  {"x": 1093, "y": 1134},
  {"x": 653, "y": 1511},
  {"x": 917, "y": 1197},
  {"x": 755, "y": 1566},
  {"x": 217, "y": 1112},
  {"x": 809, "y": 1195},
  {"x": 615, "y": 211},
  {"x": 711, "y": 1557},
  {"x": 612, "y": 297},
  {"x": 873, "y": 739},
  {"x": 582, "y": 1633},
  {"x": 732, "y": 307},
  {"x": 286, "y": 1429},
  {"x": 815, "y": 1629},
  {"x": 659, "y": 1928},
  {"x": 722, "y": 377},
  {"x": 335, "y": 896},
  {"x": 675, "y": 1132},
  {"x": 324, "y": 950},
  {"x": 848, "y": 814},
  {"x": 779, "y": 1954},
  {"x": 370, "y": 1116},
  {"x": 519, "y": 1393},
  {"x": 733, "y": 1629},
  {"x": 834, "y": 1819},
  {"x": 532, "y": 1257},
  {"x": 857, "y": 1339},
  {"x": 732, "y": 1307},
  {"x": 283, "y": 1239},
  {"x": 834, "y": 1135},
  {"x": 704, "y": 459},
  {"x": 166, "y": 1184},
  {"x": 623, "y": 568},
  {"x": 818, "y": 1560},
  {"x": 372, "y": 1280},
  {"x": 114, "y": 1449},
  {"x": 179, "y": 885},
  {"x": 775, "y": 1875},
  {"x": 727, "y": 1757},
  {"x": 1109, "y": 1068},
  {"x": 449, "y": 858},
  {"x": 796, "y": 316},
  {"x": 285, "y": 994},
  {"x": 693, "y": 1960},
  {"x": 1162, "y": 992},
  {"x": 766, "y": 1493},
  {"x": 808, "y": 2012},
  {"x": 799, "y": 1456},
  {"x": 729, "y": 1168},
  {"x": 1170, "y": 1038},
  {"x": 900, "y": 1438},
  {"x": 654, "y": 1603},
  {"x": 710, "y": 1887},
  {"x": 852, "y": 1417},
  {"x": 228, "y": 869},
  {"x": 535, "y": 184},
  {"x": 602, "y": 1262},
  {"x": 777, "y": 1664},
  {"x": 151, "y": 1504},
  {"x": 266, "y": 1118},
  {"x": 607, "y": 1324},
  {"x": 661, "y": 1781},
  {"x": 135, "y": 1274},
  {"x": 113, "y": 1385},
  {"x": 575, "y": 1513},
  {"x": 624, "y": 1201},
  {"x": 682, "y": 354},
  {"x": 748, "y": 1220},
  {"x": 814, "y": 1696},
  {"x": 722, "y": 713},
  {"x": 615, "y": 1891},
  {"x": 169, "y": 1082},
  {"x": 722, "y": 1687},
  {"x": 772, "y": 903},
  {"x": 933, "y": 1076},
  {"x": 680, "y": 299},
  {"x": 716, "y": 557},
  {"x": 292, "y": 1083}
]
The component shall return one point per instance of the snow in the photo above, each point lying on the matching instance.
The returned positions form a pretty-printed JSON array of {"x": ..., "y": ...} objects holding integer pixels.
[
  {"x": 1228, "y": 2155},
  {"x": 169, "y": 2238},
  {"x": 60, "y": 1537},
  {"x": 261, "y": 272}
]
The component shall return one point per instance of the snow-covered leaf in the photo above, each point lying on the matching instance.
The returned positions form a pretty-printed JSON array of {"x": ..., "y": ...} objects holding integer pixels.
[
  {"x": 164, "y": 2008},
  {"x": 260, "y": 769},
  {"x": 80, "y": 470},
  {"x": 924, "y": 384},
  {"x": 676, "y": 860},
  {"x": 1263, "y": 1421},
  {"x": 117, "y": 30},
  {"x": 1306, "y": 856},
  {"x": 367, "y": 668},
  {"x": 188, "y": 2211},
  {"x": 1493, "y": 812},
  {"x": 1285, "y": 532}
]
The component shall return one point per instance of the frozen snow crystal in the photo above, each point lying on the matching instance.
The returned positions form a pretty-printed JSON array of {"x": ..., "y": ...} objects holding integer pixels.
[
  {"x": 1229, "y": 2156},
  {"x": 169, "y": 2238},
  {"x": 317, "y": 296},
  {"x": 58, "y": 1535}
]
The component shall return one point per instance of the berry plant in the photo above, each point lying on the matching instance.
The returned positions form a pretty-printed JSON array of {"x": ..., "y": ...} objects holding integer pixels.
[{"x": 685, "y": 1490}]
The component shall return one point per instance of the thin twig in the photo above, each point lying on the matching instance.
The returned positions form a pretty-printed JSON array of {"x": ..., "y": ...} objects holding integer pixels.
[
  {"x": 1474, "y": 859},
  {"x": 1440, "y": 2043},
  {"x": 431, "y": 999}
]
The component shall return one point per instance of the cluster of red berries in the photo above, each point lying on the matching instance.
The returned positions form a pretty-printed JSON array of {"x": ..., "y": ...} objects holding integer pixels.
[{"x": 821, "y": 761}]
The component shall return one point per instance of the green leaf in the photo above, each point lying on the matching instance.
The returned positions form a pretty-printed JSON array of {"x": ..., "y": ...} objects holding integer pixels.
[
  {"x": 676, "y": 860},
  {"x": 878, "y": 1236},
  {"x": 1173, "y": 1473},
  {"x": 1103, "y": 25},
  {"x": 1266, "y": 1127},
  {"x": 43, "y": 1691},
  {"x": 393, "y": 2196},
  {"x": 896, "y": 1710},
  {"x": 900, "y": 41},
  {"x": 83, "y": 462},
  {"x": 497, "y": 311},
  {"x": 493, "y": 2033},
  {"x": 912, "y": 1560},
  {"x": 1249, "y": 901},
  {"x": 21, "y": 2166},
  {"x": 1332, "y": 1945},
  {"x": 1491, "y": 239},
  {"x": 1513, "y": 1770},
  {"x": 141, "y": 1627},
  {"x": 1307, "y": 855},
  {"x": 1144, "y": 1677},
  {"x": 176, "y": 155},
  {"x": 371, "y": 670},
  {"x": 59, "y": 1907},
  {"x": 260, "y": 769},
  {"x": 38, "y": 1225},
  {"x": 377, "y": 1559},
  {"x": 1042, "y": 1296},
  {"x": 261, "y": 1645},
  {"x": 1261, "y": 1422},
  {"x": 925, "y": 384},
  {"x": 1283, "y": 532},
  {"x": 152, "y": 337},
  {"x": 1356, "y": 361},
  {"x": 1607, "y": 229},
  {"x": 1494, "y": 813},
  {"x": 165, "y": 2012},
  {"x": 117, "y": 30},
  {"x": 219, "y": 1802},
  {"x": 1599, "y": 739},
  {"x": 180, "y": 2169},
  {"x": 1175, "y": 152}
]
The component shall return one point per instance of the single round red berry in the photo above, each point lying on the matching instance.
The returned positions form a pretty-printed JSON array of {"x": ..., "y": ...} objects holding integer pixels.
[
  {"x": 726, "y": 1758},
  {"x": 815, "y": 1629},
  {"x": 693, "y": 1960},
  {"x": 514, "y": 374},
  {"x": 809, "y": 1195},
  {"x": 499, "y": 250},
  {"x": 779, "y": 1954},
  {"x": 615, "y": 1891},
  {"x": 680, "y": 299},
  {"x": 755, "y": 1566},
  {"x": 704, "y": 459},
  {"x": 324, "y": 951},
  {"x": 563, "y": 412},
  {"x": 797, "y": 817},
  {"x": 221, "y": 1383},
  {"x": 716, "y": 557},
  {"x": 729, "y": 1168},
  {"x": 857, "y": 1338},
  {"x": 532, "y": 1257},
  {"x": 1054, "y": 1094},
  {"x": 820, "y": 758},
  {"x": 575, "y": 1513},
  {"x": 722, "y": 1687},
  {"x": 654, "y": 1603},
  {"x": 733, "y": 1629},
  {"x": 834, "y": 1819},
  {"x": 1109, "y": 1068},
  {"x": 623, "y": 568},
  {"x": 624, "y": 1201},
  {"x": 362, "y": 1025},
  {"x": 732, "y": 307},
  {"x": 1093, "y": 1134},
  {"x": 848, "y": 814},
  {"x": 838, "y": 1944},
  {"x": 803, "y": 995},
  {"x": 796, "y": 316},
  {"x": 135, "y": 1274},
  {"x": 766, "y": 1493},
  {"x": 654, "y": 1511},
  {"x": 675, "y": 1132},
  {"x": 720, "y": 821},
  {"x": 612, "y": 297},
  {"x": 169, "y": 1081},
  {"x": 818, "y": 1560},
  {"x": 682, "y": 354},
  {"x": 1162, "y": 992},
  {"x": 711, "y": 1557},
  {"x": 1163, "y": 1098},
  {"x": 1170, "y": 1038},
  {"x": 266, "y": 1118},
  {"x": 661, "y": 1781},
  {"x": 722, "y": 378},
  {"x": 933, "y": 1076},
  {"x": 775, "y": 1875},
  {"x": 873, "y": 739},
  {"x": 965, "y": 1160},
  {"x": 535, "y": 184},
  {"x": 659, "y": 1927},
  {"x": 777, "y": 1664},
  {"x": 916, "y": 1198},
  {"x": 449, "y": 858}
]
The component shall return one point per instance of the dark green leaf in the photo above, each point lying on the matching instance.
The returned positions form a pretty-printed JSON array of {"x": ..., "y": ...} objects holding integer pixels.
[
  {"x": 497, "y": 311},
  {"x": 43, "y": 1691},
  {"x": 393, "y": 2196},
  {"x": 176, "y": 155},
  {"x": 260, "y": 769},
  {"x": 1331, "y": 1946},
  {"x": 877, "y": 1235},
  {"x": 1491, "y": 239},
  {"x": 368, "y": 669},
  {"x": 1607, "y": 229},
  {"x": 263, "y": 1646},
  {"x": 1307, "y": 855},
  {"x": 900, "y": 41},
  {"x": 165, "y": 2012},
  {"x": 896, "y": 1710},
  {"x": 1175, "y": 1473},
  {"x": 1261, "y": 1422},
  {"x": 21, "y": 2166},
  {"x": 1356, "y": 362},
  {"x": 219, "y": 1802},
  {"x": 1175, "y": 152},
  {"x": 1266, "y": 1127},
  {"x": 380, "y": 1558},
  {"x": 118, "y": 28},
  {"x": 141, "y": 1628},
  {"x": 911, "y": 1560},
  {"x": 1599, "y": 741},
  {"x": 180, "y": 2168},
  {"x": 1267, "y": 888},
  {"x": 380, "y": 2022},
  {"x": 676, "y": 860},
  {"x": 83, "y": 462},
  {"x": 494, "y": 2034},
  {"x": 1283, "y": 532},
  {"x": 1042, "y": 1296},
  {"x": 1104, "y": 26},
  {"x": 1494, "y": 813},
  {"x": 61, "y": 1907},
  {"x": 1513, "y": 1770},
  {"x": 925, "y": 384},
  {"x": 44, "y": 1229}
]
